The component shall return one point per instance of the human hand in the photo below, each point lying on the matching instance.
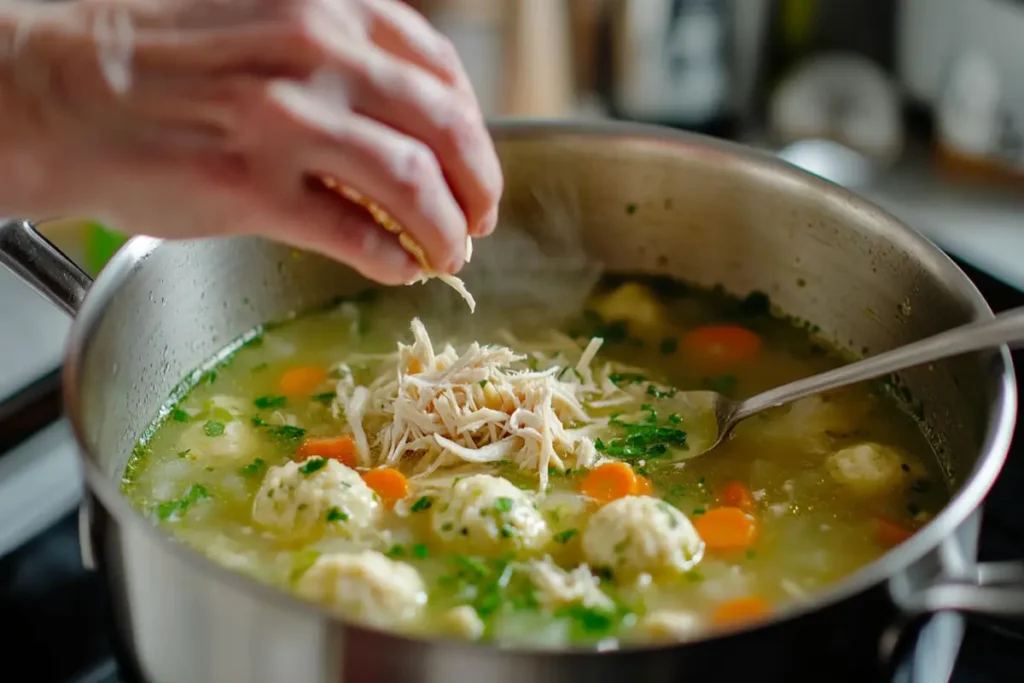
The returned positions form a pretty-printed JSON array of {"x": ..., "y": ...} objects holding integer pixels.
[{"x": 188, "y": 118}]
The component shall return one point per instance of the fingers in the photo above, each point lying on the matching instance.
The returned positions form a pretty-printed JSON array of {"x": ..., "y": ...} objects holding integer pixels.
[
  {"x": 399, "y": 173},
  {"x": 328, "y": 225},
  {"x": 419, "y": 105},
  {"x": 397, "y": 28}
]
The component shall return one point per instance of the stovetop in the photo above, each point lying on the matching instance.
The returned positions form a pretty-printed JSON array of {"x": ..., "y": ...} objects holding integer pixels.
[{"x": 54, "y": 613}]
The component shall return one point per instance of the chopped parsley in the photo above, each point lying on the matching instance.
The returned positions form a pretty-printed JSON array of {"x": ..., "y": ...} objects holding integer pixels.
[
  {"x": 565, "y": 536},
  {"x": 312, "y": 465},
  {"x": 492, "y": 584},
  {"x": 171, "y": 510},
  {"x": 270, "y": 401},
  {"x": 287, "y": 433},
  {"x": 422, "y": 503},
  {"x": 254, "y": 468},
  {"x": 620, "y": 378},
  {"x": 643, "y": 439},
  {"x": 325, "y": 397},
  {"x": 503, "y": 504},
  {"x": 336, "y": 514},
  {"x": 258, "y": 421},
  {"x": 179, "y": 415},
  {"x": 213, "y": 428},
  {"x": 653, "y": 390},
  {"x": 589, "y": 622},
  {"x": 418, "y": 551}
]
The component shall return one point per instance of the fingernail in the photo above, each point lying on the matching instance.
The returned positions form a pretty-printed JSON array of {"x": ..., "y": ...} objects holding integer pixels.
[{"x": 487, "y": 224}]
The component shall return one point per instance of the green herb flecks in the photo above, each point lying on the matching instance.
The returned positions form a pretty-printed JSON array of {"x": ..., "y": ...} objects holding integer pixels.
[
  {"x": 668, "y": 392},
  {"x": 621, "y": 379},
  {"x": 489, "y": 585},
  {"x": 179, "y": 415},
  {"x": 590, "y": 623},
  {"x": 213, "y": 428},
  {"x": 422, "y": 503},
  {"x": 270, "y": 401},
  {"x": 565, "y": 536},
  {"x": 173, "y": 510},
  {"x": 254, "y": 468},
  {"x": 312, "y": 465},
  {"x": 336, "y": 514},
  {"x": 325, "y": 397},
  {"x": 643, "y": 439}
]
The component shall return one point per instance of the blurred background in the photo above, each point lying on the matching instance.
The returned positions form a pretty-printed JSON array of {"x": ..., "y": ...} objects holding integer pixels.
[{"x": 918, "y": 104}]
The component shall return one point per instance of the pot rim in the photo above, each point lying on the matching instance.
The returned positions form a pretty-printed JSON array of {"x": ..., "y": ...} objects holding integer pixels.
[{"x": 999, "y": 430}]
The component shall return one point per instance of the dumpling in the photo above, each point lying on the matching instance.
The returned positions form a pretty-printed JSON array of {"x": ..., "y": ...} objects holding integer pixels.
[
  {"x": 868, "y": 469},
  {"x": 489, "y": 515},
  {"x": 667, "y": 625},
  {"x": 217, "y": 440},
  {"x": 463, "y": 622},
  {"x": 640, "y": 534},
  {"x": 634, "y": 303},
  {"x": 366, "y": 586},
  {"x": 302, "y": 499}
]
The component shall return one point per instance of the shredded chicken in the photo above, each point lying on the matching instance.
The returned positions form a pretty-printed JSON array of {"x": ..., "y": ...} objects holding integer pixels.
[{"x": 444, "y": 409}]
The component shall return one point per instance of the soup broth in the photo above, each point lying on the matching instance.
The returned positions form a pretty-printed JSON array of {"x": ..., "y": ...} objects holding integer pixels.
[{"x": 317, "y": 459}]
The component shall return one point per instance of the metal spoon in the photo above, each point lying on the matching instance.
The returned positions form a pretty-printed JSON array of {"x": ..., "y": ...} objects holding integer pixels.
[{"x": 1005, "y": 328}]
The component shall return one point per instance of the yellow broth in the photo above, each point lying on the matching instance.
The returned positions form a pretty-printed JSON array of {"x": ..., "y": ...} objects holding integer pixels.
[{"x": 811, "y": 528}]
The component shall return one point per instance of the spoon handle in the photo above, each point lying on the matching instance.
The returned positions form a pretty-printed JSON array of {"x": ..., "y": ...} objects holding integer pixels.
[{"x": 1005, "y": 328}]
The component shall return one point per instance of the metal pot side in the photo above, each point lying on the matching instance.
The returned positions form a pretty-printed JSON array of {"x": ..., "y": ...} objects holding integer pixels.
[{"x": 642, "y": 199}]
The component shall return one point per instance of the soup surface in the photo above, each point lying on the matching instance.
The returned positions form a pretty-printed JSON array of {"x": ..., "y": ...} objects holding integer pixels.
[{"x": 540, "y": 490}]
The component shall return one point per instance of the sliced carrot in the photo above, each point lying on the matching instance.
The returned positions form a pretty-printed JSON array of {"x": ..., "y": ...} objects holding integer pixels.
[
  {"x": 726, "y": 529},
  {"x": 301, "y": 380},
  {"x": 720, "y": 346},
  {"x": 608, "y": 482},
  {"x": 736, "y": 494},
  {"x": 741, "y": 610},
  {"x": 891, "y": 534},
  {"x": 341, "y": 448},
  {"x": 388, "y": 483},
  {"x": 643, "y": 487}
]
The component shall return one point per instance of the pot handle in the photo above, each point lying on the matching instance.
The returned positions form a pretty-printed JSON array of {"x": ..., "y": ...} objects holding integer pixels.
[
  {"x": 43, "y": 266},
  {"x": 988, "y": 590},
  {"x": 992, "y": 589}
]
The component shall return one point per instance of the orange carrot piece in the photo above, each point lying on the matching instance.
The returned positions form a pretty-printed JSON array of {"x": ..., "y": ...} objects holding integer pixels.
[
  {"x": 726, "y": 529},
  {"x": 643, "y": 487},
  {"x": 608, "y": 482},
  {"x": 388, "y": 483},
  {"x": 721, "y": 345},
  {"x": 341, "y": 448},
  {"x": 736, "y": 494},
  {"x": 891, "y": 534},
  {"x": 301, "y": 380},
  {"x": 741, "y": 610}
]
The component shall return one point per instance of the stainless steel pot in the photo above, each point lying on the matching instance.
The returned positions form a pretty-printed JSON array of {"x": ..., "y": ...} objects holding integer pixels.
[{"x": 646, "y": 199}]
